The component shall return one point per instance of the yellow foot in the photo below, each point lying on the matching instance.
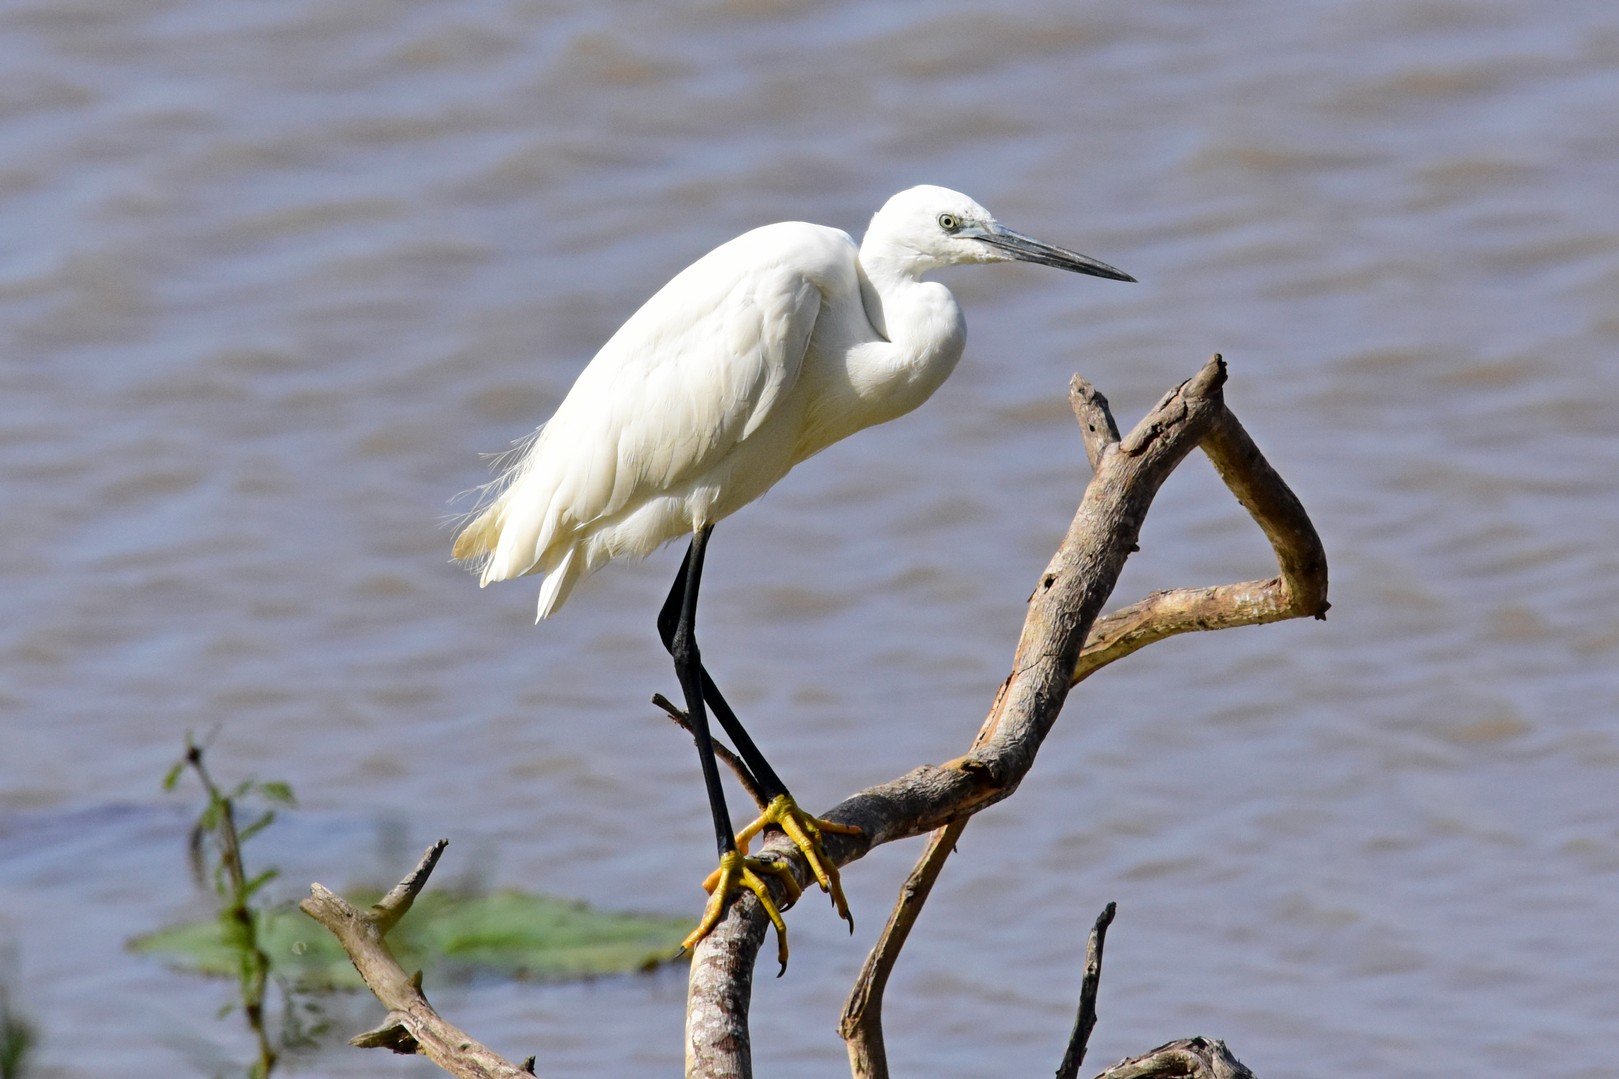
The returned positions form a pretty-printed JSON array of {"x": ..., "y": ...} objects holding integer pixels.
[
  {"x": 805, "y": 832},
  {"x": 734, "y": 873}
]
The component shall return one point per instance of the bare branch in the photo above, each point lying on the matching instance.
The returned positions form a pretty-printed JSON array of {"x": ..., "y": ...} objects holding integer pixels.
[
  {"x": 1085, "y": 1021},
  {"x": 1300, "y": 590},
  {"x": 862, "y": 1024},
  {"x": 1075, "y": 584},
  {"x": 412, "y": 1026},
  {"x": 1062, "y": 618},
  {"x": 1063, "y": 640}
]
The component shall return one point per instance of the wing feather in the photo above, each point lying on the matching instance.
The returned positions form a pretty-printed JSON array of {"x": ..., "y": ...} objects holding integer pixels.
[{"x": 665, "y": 403}]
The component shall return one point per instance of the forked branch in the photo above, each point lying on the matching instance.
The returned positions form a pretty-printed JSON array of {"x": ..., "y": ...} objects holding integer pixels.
[
  {"x": 1300, "y": 590},
  {"x": 412, "y": 1026},
  {"x": 1063, "y": 641}
]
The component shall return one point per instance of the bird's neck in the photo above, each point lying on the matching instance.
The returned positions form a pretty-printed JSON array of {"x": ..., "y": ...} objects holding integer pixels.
[
  {"x": 898, "y": 302},
  {"x": 920, "y": 328},
  {"x": 887, "y": 280},
  {"x": 917, "y": 337},
  {"x": 878, "y": 279}
]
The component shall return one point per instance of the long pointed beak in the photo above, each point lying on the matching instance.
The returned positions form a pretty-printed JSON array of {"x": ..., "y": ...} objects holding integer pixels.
[{"x": 1028, "y": 249}]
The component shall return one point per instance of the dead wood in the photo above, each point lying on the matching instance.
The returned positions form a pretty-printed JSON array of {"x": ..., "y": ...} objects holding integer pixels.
[
  {"x": 1100, "y": 538},
  {"x": 1085, "y": 1021},
  {"x": 412, "y": 1026},
  {"x": 1188, "y": 1058},
  {"x": 1064, "y": 640}
]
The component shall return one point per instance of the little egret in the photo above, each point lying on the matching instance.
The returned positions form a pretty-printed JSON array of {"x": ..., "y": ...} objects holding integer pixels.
[{"x": 761, "y": 353}]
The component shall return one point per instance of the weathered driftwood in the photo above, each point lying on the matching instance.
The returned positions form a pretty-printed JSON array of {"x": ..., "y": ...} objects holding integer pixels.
[
  {"x": 1300, "y": 590},
  {"x": 412, "y": 1026},
  {"x": 1063, "y": 641},
  {"x": 1126, "y": 477},
  {"x": 1085, "y": 1021},
  {"x": 1188, "y": 1058}
]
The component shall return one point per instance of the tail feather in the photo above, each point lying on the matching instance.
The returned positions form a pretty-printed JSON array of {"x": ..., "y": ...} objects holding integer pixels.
[
  {"x": 478, "y": 538},
  {"x": 528, "y": 527},
  {"x": 558, "y": 585}
]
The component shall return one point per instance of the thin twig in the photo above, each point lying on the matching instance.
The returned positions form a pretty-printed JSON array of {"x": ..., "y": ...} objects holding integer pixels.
[
  {"x": 722, "y": 753},
  {"x": 862, "y": 1024},
  {"x": 1085, "y": 1021}
]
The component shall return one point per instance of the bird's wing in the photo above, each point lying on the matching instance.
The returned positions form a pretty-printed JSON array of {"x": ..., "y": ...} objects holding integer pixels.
[
  {"x": 677, "y": 389},
  {"x": 685, "y": 388}
]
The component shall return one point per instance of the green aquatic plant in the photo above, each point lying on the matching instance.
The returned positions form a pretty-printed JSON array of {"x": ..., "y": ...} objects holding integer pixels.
[
  {"x": 18, "y": 1035},
  {"x": 215, "y": 845},
  {"x": 450, "y": 936},
  {"x": 454, "y": 935}
]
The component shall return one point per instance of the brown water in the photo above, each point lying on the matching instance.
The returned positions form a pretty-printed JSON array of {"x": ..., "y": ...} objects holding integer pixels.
[{"x": 273, "y": 275}]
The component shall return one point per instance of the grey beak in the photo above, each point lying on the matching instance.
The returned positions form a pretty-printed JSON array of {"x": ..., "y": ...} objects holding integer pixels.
[{"x": 1028, "y": 249}]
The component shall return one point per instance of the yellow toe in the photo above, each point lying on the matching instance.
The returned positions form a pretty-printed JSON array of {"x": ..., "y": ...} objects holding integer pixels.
[
  {"x": 735, "y": 873},
  {"x": 805, "y": 832}
]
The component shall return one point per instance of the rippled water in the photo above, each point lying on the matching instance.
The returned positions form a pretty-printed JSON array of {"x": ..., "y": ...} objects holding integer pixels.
[{"x": 273, "y": 275}]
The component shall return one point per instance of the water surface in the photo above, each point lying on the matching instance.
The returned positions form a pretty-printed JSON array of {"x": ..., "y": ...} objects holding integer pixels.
[{"x": 273, "y": 276}]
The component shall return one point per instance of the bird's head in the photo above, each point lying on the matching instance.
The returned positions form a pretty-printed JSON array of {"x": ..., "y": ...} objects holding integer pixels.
[{"x": 930, "y": 227}]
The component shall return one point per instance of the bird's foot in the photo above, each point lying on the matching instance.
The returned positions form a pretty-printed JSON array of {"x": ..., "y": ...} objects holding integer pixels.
[
  {"x": 736, "y": 872},
  {"x": 805, "y": 832}
]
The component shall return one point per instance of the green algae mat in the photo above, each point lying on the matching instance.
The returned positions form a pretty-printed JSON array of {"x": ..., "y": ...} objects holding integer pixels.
[{"x": 447, "y": 936}]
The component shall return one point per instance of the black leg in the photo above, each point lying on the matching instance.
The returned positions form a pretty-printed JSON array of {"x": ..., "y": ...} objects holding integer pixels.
[
  {"x": 681, "y": 640},
  {"x": 677, "y": 625},
  {"x": 674, "y": 608}
]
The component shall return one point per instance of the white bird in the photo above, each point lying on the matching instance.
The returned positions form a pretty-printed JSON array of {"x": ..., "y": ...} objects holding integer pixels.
[{"x": 760, "y": 354}]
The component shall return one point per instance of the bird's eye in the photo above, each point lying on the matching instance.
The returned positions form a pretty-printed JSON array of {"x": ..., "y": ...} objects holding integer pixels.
[{"x": 949, "y": 222}]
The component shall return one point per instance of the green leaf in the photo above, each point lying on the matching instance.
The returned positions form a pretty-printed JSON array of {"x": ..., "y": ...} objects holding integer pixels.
[
  {"x": 258, "y": 882},
  {"x": 450, "y": 937},
  {"x": 277, "y": 791},
  {"x": 264, "y": 821},
  {"x": 172, "y": 776}
]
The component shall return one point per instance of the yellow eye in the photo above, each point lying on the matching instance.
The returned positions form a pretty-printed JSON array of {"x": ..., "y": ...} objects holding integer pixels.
[{"x": 949, "y": 222}]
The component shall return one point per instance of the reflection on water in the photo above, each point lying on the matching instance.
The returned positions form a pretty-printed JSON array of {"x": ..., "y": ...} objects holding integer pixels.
[{"x": 272, "y": 277}]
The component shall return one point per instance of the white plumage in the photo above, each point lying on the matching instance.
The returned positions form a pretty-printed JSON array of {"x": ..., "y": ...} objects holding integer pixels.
[{"x": 763, "y": 352}]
